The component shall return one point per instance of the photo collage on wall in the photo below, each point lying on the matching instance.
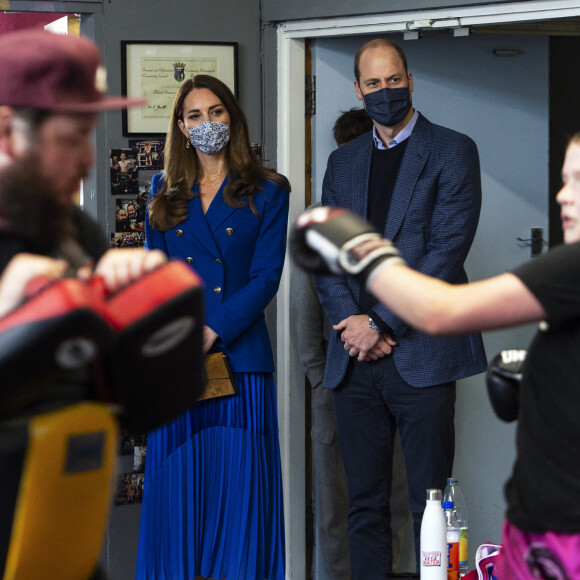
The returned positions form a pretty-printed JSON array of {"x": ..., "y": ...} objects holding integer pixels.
[
  {"x": 129, "y": 488},
  {"x": 131, "y": 169}
]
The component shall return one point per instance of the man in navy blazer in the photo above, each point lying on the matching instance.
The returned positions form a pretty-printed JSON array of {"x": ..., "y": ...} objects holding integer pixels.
[{"x": 420, "y": 184}]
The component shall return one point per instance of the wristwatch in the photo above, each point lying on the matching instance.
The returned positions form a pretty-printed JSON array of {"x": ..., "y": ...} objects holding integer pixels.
[{"x": 373, "y": 325}]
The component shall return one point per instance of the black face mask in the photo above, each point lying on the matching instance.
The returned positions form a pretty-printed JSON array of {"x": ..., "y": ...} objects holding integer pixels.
[{"x": 388, "y": 107}]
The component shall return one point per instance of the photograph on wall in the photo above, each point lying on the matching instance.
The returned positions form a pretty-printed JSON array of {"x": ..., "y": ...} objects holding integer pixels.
[
  {"x": 127, "y": 240},
  {"x": 124, "y": 171},
  {"x": 149, "y": 153},
  {"x": 130, "y": 215},
  {"x": 139, "y": 455},
  {"x": 129, "y": 489},
  {"x": 129, "y": 441}
]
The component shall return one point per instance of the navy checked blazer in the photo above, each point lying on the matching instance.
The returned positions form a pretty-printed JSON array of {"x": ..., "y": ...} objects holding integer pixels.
[
  {"x": 240, "y": 257},
  {"x": 432, "y": 219}
]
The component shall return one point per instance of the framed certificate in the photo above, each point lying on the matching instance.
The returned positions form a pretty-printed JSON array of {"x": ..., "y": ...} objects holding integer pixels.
[{"x": 156, "y": 70}]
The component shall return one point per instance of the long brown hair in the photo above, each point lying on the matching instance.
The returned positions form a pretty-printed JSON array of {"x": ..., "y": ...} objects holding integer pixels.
[{"x": 169, "y": 207}]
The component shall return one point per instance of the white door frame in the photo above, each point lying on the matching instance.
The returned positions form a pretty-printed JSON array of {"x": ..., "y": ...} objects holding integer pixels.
[{"x": 290, "y": 162}]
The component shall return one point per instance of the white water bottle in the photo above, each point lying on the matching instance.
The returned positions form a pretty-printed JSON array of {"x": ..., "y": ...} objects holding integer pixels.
[{"x": 433, "y": 539}]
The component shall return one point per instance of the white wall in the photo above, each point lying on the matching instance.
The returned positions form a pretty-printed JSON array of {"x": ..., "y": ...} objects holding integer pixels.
[{"x": 502, "y": 103}]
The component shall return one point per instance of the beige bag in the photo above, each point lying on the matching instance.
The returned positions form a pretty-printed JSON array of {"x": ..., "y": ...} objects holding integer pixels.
[{"x": 219, "y": 380}]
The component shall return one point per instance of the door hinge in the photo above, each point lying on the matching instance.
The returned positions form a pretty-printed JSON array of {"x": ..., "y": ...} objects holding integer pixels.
[{"x": 310, "y": 107}]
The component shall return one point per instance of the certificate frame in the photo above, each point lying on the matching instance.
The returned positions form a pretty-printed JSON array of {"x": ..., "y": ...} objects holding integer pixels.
[{"x": 156, "y": 70}]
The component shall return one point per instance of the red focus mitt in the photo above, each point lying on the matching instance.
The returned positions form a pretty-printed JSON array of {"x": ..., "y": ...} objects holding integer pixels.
[
  {"x": 155, "y": 364},
  {"x": 44, "y": 343}
]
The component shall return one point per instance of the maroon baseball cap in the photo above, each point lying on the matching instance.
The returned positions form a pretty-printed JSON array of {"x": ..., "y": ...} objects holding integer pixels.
[{"x": 52, "y": 72}]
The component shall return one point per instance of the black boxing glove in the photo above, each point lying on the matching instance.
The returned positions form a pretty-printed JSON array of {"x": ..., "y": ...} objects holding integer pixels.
[
  {"x": 327, "y": 240},
  {"x": 503, "y": 378}
]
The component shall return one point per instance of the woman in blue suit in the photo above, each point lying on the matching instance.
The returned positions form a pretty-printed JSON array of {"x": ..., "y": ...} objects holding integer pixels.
[{"x": 212, "y": 505}]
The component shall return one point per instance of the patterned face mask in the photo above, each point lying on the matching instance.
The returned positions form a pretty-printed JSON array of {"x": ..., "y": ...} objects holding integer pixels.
[{"x": 210, "y": 136}]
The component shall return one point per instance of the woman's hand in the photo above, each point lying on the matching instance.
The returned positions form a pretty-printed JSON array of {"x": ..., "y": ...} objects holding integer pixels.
[{"x": 209, "y": 337}]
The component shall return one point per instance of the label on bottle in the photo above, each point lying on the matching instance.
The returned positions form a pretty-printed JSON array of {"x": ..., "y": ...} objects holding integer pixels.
[
  {"x": 463, "y": 547},
  {"x": 431, "y": 559},
  {"x": 452, "y": 560}
]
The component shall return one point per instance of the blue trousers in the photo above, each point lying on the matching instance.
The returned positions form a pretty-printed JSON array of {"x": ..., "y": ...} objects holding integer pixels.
[{"x": 372, "y": 402}]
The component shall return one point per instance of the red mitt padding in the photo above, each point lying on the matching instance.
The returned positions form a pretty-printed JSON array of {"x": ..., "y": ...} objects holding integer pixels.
[
  {"x": 155, "y": 365},
  {"x": 57, "y": 331}
]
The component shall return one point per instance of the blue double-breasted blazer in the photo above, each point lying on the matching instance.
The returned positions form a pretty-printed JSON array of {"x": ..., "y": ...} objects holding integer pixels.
[
  {"x": 240, "y": 256},
  {"x": 432, "y": 220}
]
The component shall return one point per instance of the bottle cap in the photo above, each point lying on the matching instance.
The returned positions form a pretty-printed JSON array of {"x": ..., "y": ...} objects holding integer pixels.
[
  {"x": 452, "y": 481},
  {"x": 447, "y": 505},
  {"x": 434, "y": 494}
]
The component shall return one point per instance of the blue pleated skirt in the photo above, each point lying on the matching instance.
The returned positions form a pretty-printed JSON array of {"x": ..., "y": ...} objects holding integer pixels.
[{"x": 212, "y": 501}]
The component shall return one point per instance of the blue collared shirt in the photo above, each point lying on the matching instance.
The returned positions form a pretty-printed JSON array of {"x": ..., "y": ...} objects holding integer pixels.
[{"x": 404, "y": 134}]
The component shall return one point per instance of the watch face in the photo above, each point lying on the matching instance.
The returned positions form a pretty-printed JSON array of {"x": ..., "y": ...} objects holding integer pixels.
[{"x": 373, "y": 325}]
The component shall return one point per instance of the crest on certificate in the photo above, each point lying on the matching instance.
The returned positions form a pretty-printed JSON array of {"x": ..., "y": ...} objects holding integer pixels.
[{"x": 179, "y": 71}]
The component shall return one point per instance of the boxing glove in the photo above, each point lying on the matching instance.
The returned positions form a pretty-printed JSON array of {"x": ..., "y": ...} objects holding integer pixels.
[
  {"x": 503, "y": 378},
  {"x": 329, "y": 240},
  {"x": 155, "y": 364}
]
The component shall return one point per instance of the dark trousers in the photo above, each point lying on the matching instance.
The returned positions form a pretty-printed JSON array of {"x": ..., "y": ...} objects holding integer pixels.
[
  {"x": 370, "y": 403},
  {"x": 330, "y": 488}
]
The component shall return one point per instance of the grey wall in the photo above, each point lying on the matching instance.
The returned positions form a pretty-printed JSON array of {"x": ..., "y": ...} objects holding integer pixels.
[
  {"x": 144, "y": 20},
  {"x": 194, "y": 20},
  {"x": 502, "y": 103},
  {"x": 277, "y": 10}
]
